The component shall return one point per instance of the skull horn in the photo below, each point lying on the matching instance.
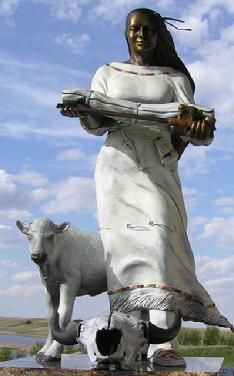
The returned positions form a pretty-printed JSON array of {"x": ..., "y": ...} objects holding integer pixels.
[
  {"x": 66, "y": 337},
  {"x": 155, "y": 335}
]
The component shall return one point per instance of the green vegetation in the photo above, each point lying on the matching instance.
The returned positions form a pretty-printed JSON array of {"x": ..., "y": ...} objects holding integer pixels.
[
  {"x": 5, "y": 354},
  {"x": 70, "y": 349},
  {"x": 21, "y": 326},
  {"x": 190, "y": 337},
  {"x": 211, "y": 351},
  {"x": 211, "y": 336},
  {"x": 36, "y": 347},
  {"x": 25, "y": 326},
  {"x": 209, "y": 342}
]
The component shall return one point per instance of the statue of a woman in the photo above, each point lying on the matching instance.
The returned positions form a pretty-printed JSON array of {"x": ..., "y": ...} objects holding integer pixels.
[{"x": 142, "y": 218}]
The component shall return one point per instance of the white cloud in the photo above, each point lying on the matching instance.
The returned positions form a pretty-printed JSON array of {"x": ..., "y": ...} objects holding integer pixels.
[
  {"x": 12, "y": 214},
  {"x": 12, "y": 197},
  {"x": 22, "y": 290},
  {"x": 199, "y": 30},
  {"x": 225, "y": 201},
  {"x": 215, "y": 267},
  {"x": 9, "y": 237},
  {"x": 25, "y": 130},
  {"x": 75, "y": 154},
  {"x": 195, "y": 161},
  {"x": 221, "y": 231},
  {"x": 75, "y": 44},
  {"x": 116, "y": 10},
  {"x": 225, "y": 205},
  {"x": 15, "y": 200},
  {"x": 8, "y": 7},
  {"x": 220, "y": 281},
  {"x": 192, "y": 197},
  {"x": 65, "y": 9},
  {"x": 61, "y": 9},
  {"x": 227, "y": 34},
  {"x": 30, "y": 67},
  {"x": 8, "y": 264},
  {"x": 217, "y": 275},
  {"x": 76, "y": 194},
  {"x": 32, "y": 178},
  {"x": 32, "y": 92},
  {"x": 194, "y": 222},
  {"x": 212, "y": 69},
  {"x": 39, "y": 194},
  {"x": 226, "y": 210},
  {"x": 24, "y": 276}
]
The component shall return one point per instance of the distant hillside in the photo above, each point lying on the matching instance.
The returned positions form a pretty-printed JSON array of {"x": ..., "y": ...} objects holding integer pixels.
[
  {"x": 23, "y": 326},
  {"x": 35, "y": 327}
]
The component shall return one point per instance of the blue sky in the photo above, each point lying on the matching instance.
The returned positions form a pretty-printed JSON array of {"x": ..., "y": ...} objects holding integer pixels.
[{"x": 47, "y": 161}]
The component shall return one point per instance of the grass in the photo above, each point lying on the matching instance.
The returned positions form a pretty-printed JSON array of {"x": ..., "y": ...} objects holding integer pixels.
[
  {"x": 21, "y": 326},
  {"x": 33, "y": 327},
  {"x": 191, "y": 340},
  {"x": 225, "y": 352},
  {"x": 5, "y": 354}
]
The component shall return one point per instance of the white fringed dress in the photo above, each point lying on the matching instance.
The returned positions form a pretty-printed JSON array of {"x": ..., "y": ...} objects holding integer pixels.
[{"x": 141, "y": 213}]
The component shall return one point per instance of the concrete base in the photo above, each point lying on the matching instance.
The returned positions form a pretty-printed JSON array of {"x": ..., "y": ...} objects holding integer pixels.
[{"x": 81, "y": 366}]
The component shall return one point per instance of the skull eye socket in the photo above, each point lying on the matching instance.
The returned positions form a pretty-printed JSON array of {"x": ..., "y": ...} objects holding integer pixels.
[{"x": 29, "y": 236}]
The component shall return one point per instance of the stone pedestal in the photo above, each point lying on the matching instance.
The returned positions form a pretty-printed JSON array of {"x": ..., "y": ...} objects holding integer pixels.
[{"x": 79, "y": 365}]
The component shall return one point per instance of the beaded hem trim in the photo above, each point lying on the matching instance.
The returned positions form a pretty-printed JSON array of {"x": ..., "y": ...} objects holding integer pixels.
[
  {"x": 138, "y": 74},
  {"x": 190, "y": 310},
  {"x": 162, "y": 287}
]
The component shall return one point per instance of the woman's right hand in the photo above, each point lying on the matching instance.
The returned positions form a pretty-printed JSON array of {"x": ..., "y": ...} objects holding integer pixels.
[
  {"x": 90, "y": 120},
  {"x": 70, "y": 111}
]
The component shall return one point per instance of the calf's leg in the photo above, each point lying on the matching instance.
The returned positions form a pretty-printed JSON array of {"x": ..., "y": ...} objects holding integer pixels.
[
  {"x": 54, "y": 354},
  {"x": 66, "y": 303}
]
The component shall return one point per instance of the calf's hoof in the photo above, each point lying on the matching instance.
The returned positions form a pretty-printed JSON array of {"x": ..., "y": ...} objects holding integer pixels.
[
  {"x": 39, "y": 356},
  {"x": 48, "y": 359},
  {"x": 107, "y": 365}
]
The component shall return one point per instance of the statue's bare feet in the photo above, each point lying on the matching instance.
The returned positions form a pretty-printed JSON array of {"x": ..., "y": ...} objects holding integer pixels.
[{"x": 168, "y": 358}]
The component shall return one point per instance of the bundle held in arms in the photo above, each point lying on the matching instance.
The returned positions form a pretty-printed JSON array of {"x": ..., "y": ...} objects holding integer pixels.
[{"x": 178, "y": 119}]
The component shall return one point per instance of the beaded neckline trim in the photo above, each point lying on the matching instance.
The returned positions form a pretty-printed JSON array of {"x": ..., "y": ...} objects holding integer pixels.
[{"x": 136, "y": 73}]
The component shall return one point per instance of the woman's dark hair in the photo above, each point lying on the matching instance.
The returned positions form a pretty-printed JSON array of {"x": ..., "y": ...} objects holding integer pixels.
[{"x": 165, "y": 53}]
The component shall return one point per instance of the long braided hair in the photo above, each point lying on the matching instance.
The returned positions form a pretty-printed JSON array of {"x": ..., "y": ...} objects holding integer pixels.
[{"x": 165, "y": 53}]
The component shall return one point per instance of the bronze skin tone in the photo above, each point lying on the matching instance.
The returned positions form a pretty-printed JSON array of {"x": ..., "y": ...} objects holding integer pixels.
[{"x": 142, "y": 36}]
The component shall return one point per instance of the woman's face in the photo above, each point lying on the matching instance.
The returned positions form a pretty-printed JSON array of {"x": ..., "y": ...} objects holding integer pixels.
[{"x": 141, "y": 32}]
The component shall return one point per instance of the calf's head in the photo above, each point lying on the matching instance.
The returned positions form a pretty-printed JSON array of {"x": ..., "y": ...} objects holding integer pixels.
[{"x": 41, "y": 235}]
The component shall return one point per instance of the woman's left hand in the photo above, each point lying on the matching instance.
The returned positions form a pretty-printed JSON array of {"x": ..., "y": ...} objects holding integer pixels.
[
  {"x": 197, "y": 126},
  {"x": 200, "y": 129}
]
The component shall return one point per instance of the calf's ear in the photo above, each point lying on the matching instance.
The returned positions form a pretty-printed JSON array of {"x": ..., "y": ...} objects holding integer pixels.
[
  {"x": 62, "y": 228},
  {"x": 22, "y": 227}
]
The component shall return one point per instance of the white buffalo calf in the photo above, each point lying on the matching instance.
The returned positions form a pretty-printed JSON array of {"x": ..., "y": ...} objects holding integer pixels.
[{"x": 71, "y": 263}]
